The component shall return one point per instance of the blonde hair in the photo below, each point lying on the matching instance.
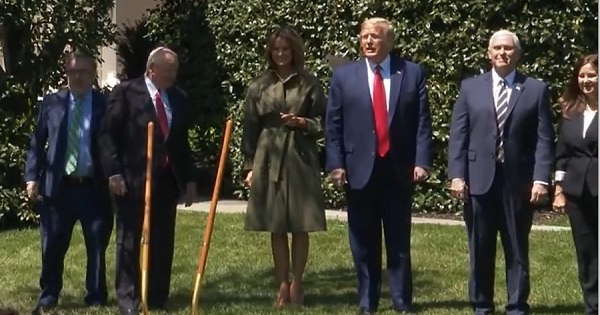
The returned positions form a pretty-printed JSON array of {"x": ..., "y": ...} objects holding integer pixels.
[{"x": 385, "y": 24}]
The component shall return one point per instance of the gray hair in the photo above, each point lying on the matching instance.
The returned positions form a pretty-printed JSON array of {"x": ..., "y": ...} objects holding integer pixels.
[
  {"x": 158, "y": 55},
  {"x": 506, "y": 33}
]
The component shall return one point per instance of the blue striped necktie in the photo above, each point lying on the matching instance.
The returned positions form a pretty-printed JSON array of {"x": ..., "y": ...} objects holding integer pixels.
[{"x": 501, "y": 114}]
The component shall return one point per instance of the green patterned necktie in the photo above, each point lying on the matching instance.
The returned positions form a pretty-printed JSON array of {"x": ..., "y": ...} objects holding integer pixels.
[{"x": 74, "y": 138}]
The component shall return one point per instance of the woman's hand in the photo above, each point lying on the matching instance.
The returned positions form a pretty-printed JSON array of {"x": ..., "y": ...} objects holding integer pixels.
[{"x": 292, "y": 120}]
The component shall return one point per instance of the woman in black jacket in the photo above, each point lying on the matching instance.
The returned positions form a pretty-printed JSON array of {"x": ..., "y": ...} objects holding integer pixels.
[{"x": 577, "y": 172}]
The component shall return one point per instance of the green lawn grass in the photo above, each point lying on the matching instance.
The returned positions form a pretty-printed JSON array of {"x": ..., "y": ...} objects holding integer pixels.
[{"x": 239, "y": 277}]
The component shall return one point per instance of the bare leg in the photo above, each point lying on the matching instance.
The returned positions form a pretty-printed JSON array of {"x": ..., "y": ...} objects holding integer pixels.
[
  {"x": 281, "y": 260},
  {"x": 300, "y": 243}
]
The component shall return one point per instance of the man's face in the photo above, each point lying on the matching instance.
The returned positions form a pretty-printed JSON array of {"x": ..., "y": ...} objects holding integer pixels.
[
  {"x": 374, "y": 43},
  {"x": 80, "y": 75},
  {"x": 164, "y": 73},
  {"x": 503, "y": 53}
]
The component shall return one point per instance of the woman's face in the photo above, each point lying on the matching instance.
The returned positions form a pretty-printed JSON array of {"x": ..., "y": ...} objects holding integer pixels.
[
  {"x": 588, "y": 80},
  {"x": 281, "y": 52}
]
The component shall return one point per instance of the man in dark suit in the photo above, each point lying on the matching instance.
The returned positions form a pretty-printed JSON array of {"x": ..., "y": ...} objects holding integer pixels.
[
  {"x": 500, "y": 161},
  {"x": 71, "y": 182},
  {"x": 378, "y": 139},
  {"x": 131, "y": 106}
]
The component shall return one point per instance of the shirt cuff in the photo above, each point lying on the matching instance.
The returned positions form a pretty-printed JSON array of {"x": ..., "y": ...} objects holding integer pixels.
[
  {"x": 559, "y": 176},
  {"x": 540, "y": 182}
]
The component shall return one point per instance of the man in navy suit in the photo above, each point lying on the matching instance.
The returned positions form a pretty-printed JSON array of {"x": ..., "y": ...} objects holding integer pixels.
[
  {"x": 501, "y": 151},
  {"x": 378, "y": 139},
  {"x": 71, "y": 183}
]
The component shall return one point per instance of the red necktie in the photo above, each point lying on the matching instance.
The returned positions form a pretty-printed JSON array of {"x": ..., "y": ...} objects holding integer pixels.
[
  {"x": 380, "y": 113},
  {"x": 162, "y": 121}
]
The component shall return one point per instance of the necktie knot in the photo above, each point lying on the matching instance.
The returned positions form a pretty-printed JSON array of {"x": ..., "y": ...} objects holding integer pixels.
[{"x": 378, "y": 68}]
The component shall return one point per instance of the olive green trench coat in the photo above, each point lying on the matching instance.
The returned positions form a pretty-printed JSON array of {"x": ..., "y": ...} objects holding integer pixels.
[{"x": 285, "y": 193}]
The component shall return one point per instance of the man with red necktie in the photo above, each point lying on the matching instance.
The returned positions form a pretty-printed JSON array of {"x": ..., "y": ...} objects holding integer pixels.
[
  {"x": 131, "y": 106},
  {"x": 378, "y": 145}
]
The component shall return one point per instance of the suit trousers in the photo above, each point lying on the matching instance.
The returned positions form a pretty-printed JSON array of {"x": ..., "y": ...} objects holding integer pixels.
[
  {"x": 385, "y": 200},
  {"x": 505, "y": 210},
  {"x": 74, "y": 202},
  {"x": 130, "y": 215},
  {"x": 583, "y": 215}
]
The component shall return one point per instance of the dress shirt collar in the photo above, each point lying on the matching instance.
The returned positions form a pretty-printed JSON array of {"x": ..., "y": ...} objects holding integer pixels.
[
  {"x": 385, "y": 64},
  {"x": 85, "y": 97},
  {"x": 151, "y": 87},
  {"x": 510, "y": 78}
]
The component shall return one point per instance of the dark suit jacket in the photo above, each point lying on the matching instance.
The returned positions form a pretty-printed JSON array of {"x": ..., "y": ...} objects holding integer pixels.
[
  {"x": 528, "y": 135},
  {"x": 123, "y": 135},
  {"x": 46, "y": 165},
  {"x": 578, "y": 156},
  {"x": 350, "y": 140}
]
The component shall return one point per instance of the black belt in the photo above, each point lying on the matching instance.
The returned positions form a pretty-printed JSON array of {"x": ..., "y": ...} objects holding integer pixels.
[{"x": 86, "y": 180}]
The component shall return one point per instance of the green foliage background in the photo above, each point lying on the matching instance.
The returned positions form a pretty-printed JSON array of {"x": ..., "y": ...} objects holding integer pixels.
[{"x": 221, "y": 47}]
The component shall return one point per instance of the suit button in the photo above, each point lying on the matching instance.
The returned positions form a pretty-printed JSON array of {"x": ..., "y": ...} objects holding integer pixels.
[
  {"x": 492, "y": 156},
  {"x": 373, "y": 153},
  {"x": 373, "y": 132}
]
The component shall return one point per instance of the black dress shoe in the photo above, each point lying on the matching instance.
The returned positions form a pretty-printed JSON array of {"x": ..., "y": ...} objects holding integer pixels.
[{"x": 366, "y": 311}]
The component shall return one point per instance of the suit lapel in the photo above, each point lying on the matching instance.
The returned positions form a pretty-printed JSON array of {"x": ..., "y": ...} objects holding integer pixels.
[
  {"x": 516, "y": 92},
  {"x": 62, "y": 115},
  {"x": 592, "y": 129},
  {"x": 145, "y": 101},
  {"x": 396, "y": 76},
  {"x": 363, "y": 83},
  {"x": 488, "y": 94}
]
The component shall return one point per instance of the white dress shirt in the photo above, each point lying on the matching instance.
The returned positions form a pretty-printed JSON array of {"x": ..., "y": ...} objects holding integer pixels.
[
  {"x": 385, "y": 74},
  {"x": 163, "y": 96},
  {"x": 510, "y": 84}
]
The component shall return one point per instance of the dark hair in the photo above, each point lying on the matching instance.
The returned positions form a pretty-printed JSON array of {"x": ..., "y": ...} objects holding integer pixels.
[
  {"x": 294, "y": 40},
  {"x": 572, "y": 102}
]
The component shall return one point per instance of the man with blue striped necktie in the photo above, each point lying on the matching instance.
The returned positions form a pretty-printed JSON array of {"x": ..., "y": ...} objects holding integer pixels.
[
  {"x": 500, "y": 158},
  {"x": 67, "y": 177}
]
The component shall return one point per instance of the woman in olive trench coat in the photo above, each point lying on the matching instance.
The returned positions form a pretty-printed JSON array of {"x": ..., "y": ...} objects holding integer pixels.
[{"x": 281, "y": 126}]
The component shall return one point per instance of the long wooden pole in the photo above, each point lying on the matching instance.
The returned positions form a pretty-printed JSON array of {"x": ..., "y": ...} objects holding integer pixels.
[
  {"x": 211, "y": 218},
  {"x": 145, "y": 241}
]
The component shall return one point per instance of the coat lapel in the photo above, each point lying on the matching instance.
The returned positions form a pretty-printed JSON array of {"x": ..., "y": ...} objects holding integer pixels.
[
  {"x": 518, "y": 88},
  {"x": 396, "y": 76}
]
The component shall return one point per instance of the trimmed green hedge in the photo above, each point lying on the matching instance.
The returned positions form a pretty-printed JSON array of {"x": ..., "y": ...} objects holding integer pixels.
[{"x": 221, "y": 43}]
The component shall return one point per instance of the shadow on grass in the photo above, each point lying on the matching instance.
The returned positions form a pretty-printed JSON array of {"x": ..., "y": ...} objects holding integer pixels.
[
  {"x": 558, "y": 309},
  {"x": 331, "y": 288}
]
